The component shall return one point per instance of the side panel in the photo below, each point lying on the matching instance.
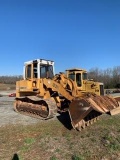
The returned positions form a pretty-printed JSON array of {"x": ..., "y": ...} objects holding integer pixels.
[
  {"x": 92, "y": 87},
  {"x": 24, "y": 88}
]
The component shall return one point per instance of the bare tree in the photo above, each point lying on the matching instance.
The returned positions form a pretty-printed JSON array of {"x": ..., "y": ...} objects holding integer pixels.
[
  {"x": 110, "y": 77},
  {"x": 116, "y": 76}
]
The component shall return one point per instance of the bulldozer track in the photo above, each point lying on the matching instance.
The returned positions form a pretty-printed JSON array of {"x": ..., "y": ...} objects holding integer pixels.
[{"x": 36, "y": 107}]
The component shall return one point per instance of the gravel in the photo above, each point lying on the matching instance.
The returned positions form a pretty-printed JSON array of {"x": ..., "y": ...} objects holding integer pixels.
[{"x": 9, "y": 116}]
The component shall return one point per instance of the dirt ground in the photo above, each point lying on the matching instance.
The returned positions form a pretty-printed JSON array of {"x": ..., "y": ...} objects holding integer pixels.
[
  {"x": 25, "y": 138},
  {"x": 9, "y": 116}
]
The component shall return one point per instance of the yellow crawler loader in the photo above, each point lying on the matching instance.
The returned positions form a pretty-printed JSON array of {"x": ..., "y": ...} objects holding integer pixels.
[{"x": 42, "y": 94}]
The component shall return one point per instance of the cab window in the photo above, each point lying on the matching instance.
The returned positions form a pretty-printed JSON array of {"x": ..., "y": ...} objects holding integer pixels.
[
  {"x": 84, "y": 76},
  {"x": 35, "y": 72},
  {"x": 72, "y": 76},
  {"x": 28, "y": 71},
  {"x": 78, "y": 79}
]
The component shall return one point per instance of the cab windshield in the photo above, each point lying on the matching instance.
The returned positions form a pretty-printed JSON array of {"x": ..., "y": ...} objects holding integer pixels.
[
  {"x": 46, "y": 71},
  {"x": 76, "y": 77}
]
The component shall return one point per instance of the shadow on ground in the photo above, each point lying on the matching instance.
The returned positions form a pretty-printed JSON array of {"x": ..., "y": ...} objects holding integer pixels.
[
  {"x": 15, "y": 157},
  {"x": 64, "y": 118}
]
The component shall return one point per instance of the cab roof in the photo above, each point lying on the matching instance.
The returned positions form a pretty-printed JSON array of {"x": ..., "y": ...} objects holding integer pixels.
[
  {"x": 44, "y": 61},
  {"x": 76, "y": 69}
]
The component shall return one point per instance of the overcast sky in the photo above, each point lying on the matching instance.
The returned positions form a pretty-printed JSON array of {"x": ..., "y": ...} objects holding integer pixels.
[{"x": 73, "y": 33}]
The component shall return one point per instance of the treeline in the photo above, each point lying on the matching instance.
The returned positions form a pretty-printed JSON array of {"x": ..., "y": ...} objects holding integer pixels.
[
  {"x": 10, "y": 79},
  {"x": 110, "y": 77}
]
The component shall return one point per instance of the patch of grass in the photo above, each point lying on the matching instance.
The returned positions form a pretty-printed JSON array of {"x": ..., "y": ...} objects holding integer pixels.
[
  {"x": 51, "y": 140},
  {"x": 24, "y": 148},
  {"x": 29, "y": 141},
  {"x": 75, "y": 157},
  {"x": 57, "y": 150},
  {"x": 53, "y": 158},
  {"x": 112, "y": 142},
  {"x": 7, "y": 86}
]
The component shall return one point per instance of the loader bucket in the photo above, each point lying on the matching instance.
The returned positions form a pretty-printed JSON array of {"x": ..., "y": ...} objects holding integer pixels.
[
  {"x": 116, "y": 110},
  {"x": 85, "y": 110}
]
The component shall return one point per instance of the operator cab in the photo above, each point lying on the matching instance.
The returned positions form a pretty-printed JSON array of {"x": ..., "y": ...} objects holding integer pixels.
[
  {"x": 77, "y": 75},
  {"x": 39, "y": 68}
]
